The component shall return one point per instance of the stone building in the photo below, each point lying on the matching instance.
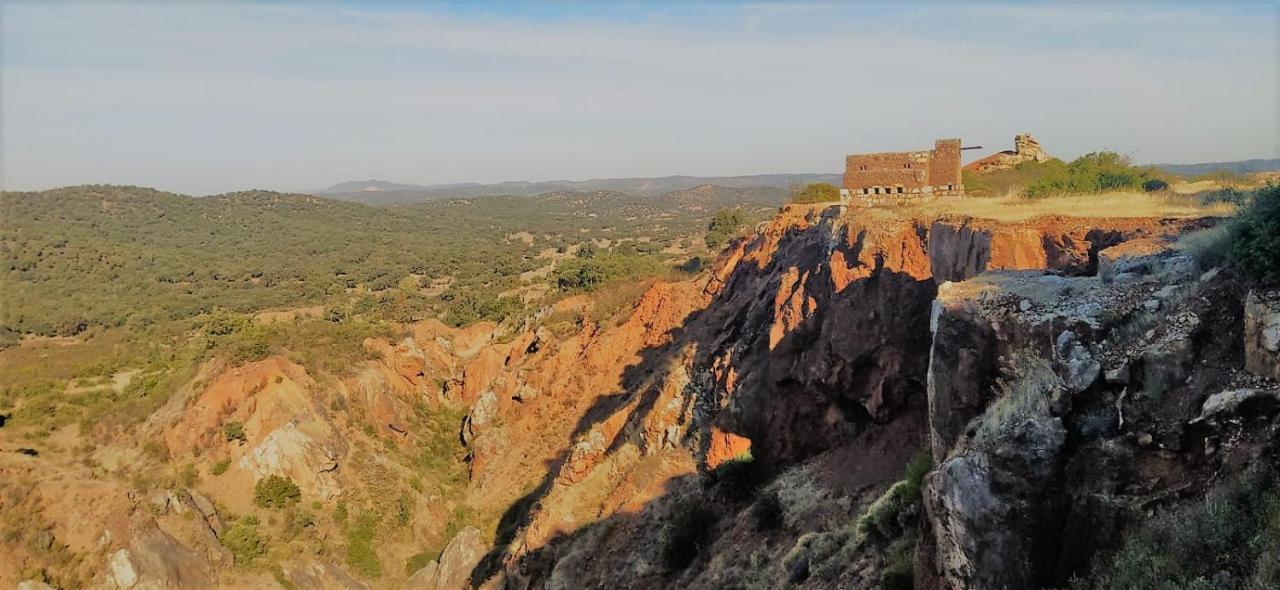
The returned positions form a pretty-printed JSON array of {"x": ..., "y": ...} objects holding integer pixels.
[
  {"x": 934, "y": 172},
  {"x": 1025, "y": 149}
]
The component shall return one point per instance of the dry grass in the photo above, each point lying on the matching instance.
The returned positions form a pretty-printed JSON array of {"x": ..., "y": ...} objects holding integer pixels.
[{"x": 1013, "y": 209}]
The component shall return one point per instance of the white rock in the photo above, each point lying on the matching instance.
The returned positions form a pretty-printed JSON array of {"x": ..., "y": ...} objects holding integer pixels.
[{"x": 121, "y": 570}]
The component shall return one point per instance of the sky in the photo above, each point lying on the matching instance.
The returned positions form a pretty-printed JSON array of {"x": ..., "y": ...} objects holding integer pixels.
[{"x": 208, "y": 98}]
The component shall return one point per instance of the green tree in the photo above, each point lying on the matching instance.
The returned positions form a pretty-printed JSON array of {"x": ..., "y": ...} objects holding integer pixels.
[
  {"x": 274, "y": 491},
  {"x": 243, "y": 540},
  {"x": 818, "y": 192},
  {"x": 725, "y": 224}
]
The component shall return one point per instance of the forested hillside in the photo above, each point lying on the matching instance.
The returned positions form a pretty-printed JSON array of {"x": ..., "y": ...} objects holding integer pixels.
[{"x": 153, "y": 256}]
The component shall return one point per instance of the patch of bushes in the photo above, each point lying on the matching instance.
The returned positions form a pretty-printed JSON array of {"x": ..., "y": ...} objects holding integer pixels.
[
  {"x": 243, "y": 540},
  {"x": 361, "y": 555},
  {"x": 1234, "y": 530},
  {"x": 818, "y": 192},
  {"x": 277, "y": 492},
  {"x": 589, "y": 274},
  {"x": 1255, "y": 237},
  {"x": 898, "y": 572},
  {"x": 221, "y": 467},
  {"x": 686, "y": 534},
  {"x": 894, "y": 514},
  {"x": 1093, "y": 173},
  {"x": 469, "y": 307}
]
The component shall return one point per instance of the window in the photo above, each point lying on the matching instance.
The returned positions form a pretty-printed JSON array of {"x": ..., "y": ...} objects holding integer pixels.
[
  {"x": 907, "y": 165},
  {"x": 899, "y": 190}
]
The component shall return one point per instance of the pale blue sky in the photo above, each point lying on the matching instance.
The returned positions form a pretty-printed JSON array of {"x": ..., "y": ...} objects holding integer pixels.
[{"x": 205, "y": 98}]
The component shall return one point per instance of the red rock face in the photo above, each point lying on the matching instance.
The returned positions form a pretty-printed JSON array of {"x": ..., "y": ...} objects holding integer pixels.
[
  {"x": 726, "y": 446},
  {"x": 810, "y": 336}
]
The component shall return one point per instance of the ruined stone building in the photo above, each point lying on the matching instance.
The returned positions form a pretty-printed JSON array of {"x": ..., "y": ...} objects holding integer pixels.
[
  {"x": 934, "y": 172},
  {"x": 1025, "y": 149}
]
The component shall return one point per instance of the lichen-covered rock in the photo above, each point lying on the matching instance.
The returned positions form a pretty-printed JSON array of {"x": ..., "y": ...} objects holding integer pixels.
[
  {"x": 1262, "y": 333},
  {"x": 457, "y": 561}
]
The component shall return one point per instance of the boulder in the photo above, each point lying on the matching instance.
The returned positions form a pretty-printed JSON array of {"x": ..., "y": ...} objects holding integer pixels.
[
  {"x": 1262, "y": 334},
  {"x": 326, "y": 576},
  {"x": 453, "y": 571},
  {"x": 154, "y": 559},
  {"x": 1078, "y": 369},
  {"x": 482, "y": 413},
  {"x": 1237, "y": 402}
]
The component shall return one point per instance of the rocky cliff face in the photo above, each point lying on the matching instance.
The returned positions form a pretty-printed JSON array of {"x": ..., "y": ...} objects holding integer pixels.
[
  {"x": 755, "y": 427},
  {"x": 823, "y": 347}
]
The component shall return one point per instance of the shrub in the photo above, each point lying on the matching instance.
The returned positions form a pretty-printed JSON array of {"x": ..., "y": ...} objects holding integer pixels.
[
  {"x": 243, "y": 541},
  {"x": 818, "y": 192},
  {"x": 277, "y": 492},
  {"x": 1255, "y": 237},
  {"x": 1210, "y": 247},
  {"x": 234, "y": 431},
  {"x": 725, "y": 224},
  {"x": 899, "y": 566},
  {"x": 1155, "y": 185},
  {"x": 686, "y": 534},
  {"x": 221, "y": 467}
]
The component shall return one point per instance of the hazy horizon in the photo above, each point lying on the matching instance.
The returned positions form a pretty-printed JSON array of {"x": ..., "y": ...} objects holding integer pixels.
[{"x": 205, "y": 99}]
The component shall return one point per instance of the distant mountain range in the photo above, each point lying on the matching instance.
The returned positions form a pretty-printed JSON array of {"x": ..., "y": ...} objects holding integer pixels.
[
  {"x": 1239, "y": 166},
  {"x": 384, "y": 192}
]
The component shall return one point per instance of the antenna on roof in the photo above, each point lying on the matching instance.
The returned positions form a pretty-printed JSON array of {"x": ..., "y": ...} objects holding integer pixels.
[{"x": 972, "y": 147}]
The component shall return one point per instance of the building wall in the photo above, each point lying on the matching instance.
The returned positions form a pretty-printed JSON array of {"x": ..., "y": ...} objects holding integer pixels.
[
  {"x": 906, "y": 173},
  {"x": 944, "y": 167}
]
